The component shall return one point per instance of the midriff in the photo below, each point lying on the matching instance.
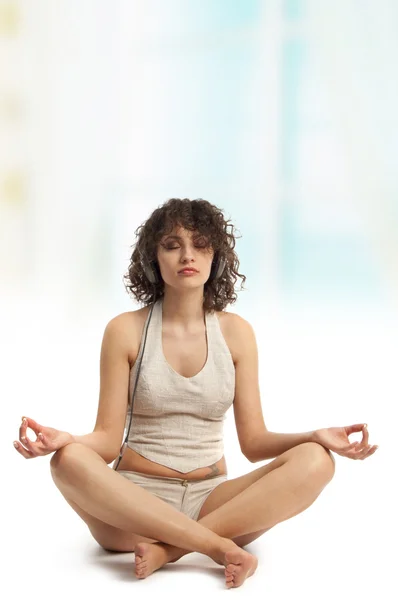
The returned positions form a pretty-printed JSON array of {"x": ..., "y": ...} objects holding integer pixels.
[{"x": 131, "y": 460}]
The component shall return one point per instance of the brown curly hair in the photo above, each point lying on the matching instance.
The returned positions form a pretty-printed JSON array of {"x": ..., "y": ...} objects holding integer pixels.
[{"x": 194, "y": 215}]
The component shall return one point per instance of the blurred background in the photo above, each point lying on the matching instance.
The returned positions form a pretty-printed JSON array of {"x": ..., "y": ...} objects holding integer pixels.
[{"x": 280, "y": 112}]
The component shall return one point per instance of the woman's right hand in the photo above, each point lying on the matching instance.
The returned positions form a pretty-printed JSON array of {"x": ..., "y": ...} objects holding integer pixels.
[{"x": 48, "y": 439}]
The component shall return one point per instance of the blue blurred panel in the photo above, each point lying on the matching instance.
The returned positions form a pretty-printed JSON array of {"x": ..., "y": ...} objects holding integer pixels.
[
  {"x": 193, "y": 17},
  {"x": 336, "y": 268},
  {"x": 327, "y": 261},
  {"x": 207, "y": 105},
  {"x": 293, "y": 57},
  {"x": 222, "y": 14},
  {"x": 293, "y": 10}
]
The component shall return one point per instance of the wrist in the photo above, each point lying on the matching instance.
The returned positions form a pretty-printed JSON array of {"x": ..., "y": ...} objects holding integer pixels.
[{"x": 69, "y": 438}]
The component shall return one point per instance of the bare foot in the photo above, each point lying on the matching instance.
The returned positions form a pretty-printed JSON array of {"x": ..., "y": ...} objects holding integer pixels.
[
  {"x": 149, "y": 558},
  {"x": 239, "y": 564}
]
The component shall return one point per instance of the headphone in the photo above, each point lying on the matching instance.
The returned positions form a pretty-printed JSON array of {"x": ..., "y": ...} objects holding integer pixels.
[{"x": 217, "y": 269}]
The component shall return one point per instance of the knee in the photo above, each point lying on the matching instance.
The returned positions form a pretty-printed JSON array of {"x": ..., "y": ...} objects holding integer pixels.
[
  {"x": 63, "y": 457},
  {"x": 319, "y": 458}
]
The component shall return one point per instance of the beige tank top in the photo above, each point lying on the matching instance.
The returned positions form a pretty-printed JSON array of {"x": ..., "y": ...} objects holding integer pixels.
[{"x": 178, "y": 421}]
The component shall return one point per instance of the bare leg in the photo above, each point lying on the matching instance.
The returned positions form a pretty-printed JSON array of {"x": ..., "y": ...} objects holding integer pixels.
[
  {"x": 277, "y": 496},
  {"x": 97, "y": 489}
]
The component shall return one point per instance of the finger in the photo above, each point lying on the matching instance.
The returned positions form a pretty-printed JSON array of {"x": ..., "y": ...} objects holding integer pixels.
[
  {"x": 354, "y": 453},
  {"x": 371, "y": 450},
  {"x": 23, "y": 427},
  {"x": 43, "y": 444},
  {"x": 374, "y": 449},
  {"x": 365, "y": 439},
  {"x": 353, "y": 428},
  {"x": 23, "y": 432},
  {"x": 352, "y": 446},
  {"x": 32, "y": 424},
  {"x": 42, "y": 439},
  {"x": 26, "y": 442},
  {"x": 25, "y": 453},
  {"x": 35, "y": 425},
  {"x": 26, "y": 422},
  {"x": 362, "y": 453},
  {"x": 35, "y": 448}
]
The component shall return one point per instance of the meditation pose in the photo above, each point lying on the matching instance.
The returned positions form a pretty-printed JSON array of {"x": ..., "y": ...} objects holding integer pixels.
[{"x": 169, "y": 371}]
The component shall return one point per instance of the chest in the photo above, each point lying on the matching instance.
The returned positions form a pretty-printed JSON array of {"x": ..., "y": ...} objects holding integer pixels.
[
  {"x": 187, "y": 354},
  {"x": 186, "y": 382}
]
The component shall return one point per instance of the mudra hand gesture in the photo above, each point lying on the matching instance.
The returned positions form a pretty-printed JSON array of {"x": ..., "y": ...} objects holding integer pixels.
[
  {"x": 48, "y": 439},
  {"x": 336, "y": 439}
]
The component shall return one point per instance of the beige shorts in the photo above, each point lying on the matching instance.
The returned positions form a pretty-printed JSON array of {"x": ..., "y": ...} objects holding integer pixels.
[{"x": 187, "y": 496}]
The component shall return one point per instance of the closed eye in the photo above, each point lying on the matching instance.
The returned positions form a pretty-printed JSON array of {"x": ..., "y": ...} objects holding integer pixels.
[{"x": 176, "y": 247}]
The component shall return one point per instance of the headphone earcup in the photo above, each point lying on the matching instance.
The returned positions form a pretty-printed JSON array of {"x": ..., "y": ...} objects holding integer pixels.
[
  {"x": 218, "y": 267},
  {"x": 149, "y": 271},
  {"x": 151, "y": 274}
]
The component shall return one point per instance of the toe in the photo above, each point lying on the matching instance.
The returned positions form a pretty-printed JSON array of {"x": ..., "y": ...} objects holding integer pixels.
[{"x": 231, "y": 568}]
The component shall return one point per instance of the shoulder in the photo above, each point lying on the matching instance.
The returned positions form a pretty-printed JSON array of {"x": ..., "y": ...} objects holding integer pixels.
[
  {"x": 235, "y": 323},
  {"x": 130, "y": 318},
  {"x": 237, "y": 331},
  {"x": 127, "y": 327},
  {"x": 120, "y": 322}
]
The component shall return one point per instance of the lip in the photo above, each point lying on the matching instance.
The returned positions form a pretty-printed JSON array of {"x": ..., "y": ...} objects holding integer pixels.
[{"x": 188, "y": 270}]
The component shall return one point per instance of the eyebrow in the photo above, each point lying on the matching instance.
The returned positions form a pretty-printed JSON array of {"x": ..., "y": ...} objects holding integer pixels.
[{"x": 177, "y": 237}]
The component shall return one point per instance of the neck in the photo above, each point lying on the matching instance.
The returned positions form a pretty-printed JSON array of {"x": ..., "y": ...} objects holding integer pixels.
[{"x": 183, "y": 311}]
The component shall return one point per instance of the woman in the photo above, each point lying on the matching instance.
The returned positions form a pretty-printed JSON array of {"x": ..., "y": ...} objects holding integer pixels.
[{"x": 168, "y": 493}]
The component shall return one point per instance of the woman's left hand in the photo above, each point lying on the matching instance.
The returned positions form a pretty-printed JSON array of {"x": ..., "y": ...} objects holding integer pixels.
[{"x": 336, "y": 439}]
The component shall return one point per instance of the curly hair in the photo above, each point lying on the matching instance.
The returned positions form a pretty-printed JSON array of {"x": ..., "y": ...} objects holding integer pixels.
[{"x": 199, "y": 216}]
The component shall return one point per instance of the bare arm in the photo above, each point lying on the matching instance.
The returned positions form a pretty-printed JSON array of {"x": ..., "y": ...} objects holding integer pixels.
[
  {"x": 100, "y": 442},
  {"x": 271, "y": 444},
  {"x": 256, "y": 442},
  {"x": 107, "y": 436}
]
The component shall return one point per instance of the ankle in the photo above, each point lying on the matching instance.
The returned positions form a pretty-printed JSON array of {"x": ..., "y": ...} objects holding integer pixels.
[
  {"x": 228, "y": 544},
  {"x": 225, "y": 545},
  {"x": 173, "y": 553}
]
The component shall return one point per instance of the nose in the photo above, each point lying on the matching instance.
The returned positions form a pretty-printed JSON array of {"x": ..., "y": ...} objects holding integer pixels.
[
  {"x": 187, "y": 253},
  {"x": 186, "y": 260}
]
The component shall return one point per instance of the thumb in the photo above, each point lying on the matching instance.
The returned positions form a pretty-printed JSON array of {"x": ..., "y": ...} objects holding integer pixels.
[{"x": 32, "y": 424}]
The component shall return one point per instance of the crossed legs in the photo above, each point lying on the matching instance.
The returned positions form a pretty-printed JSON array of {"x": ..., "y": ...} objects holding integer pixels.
[
  {"x": 284, "y": 488},
  {"x": 282, "y": 492}
]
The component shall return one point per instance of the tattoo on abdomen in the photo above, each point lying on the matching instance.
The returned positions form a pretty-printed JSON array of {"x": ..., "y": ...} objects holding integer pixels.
[{"x": 214, "y": 470}]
